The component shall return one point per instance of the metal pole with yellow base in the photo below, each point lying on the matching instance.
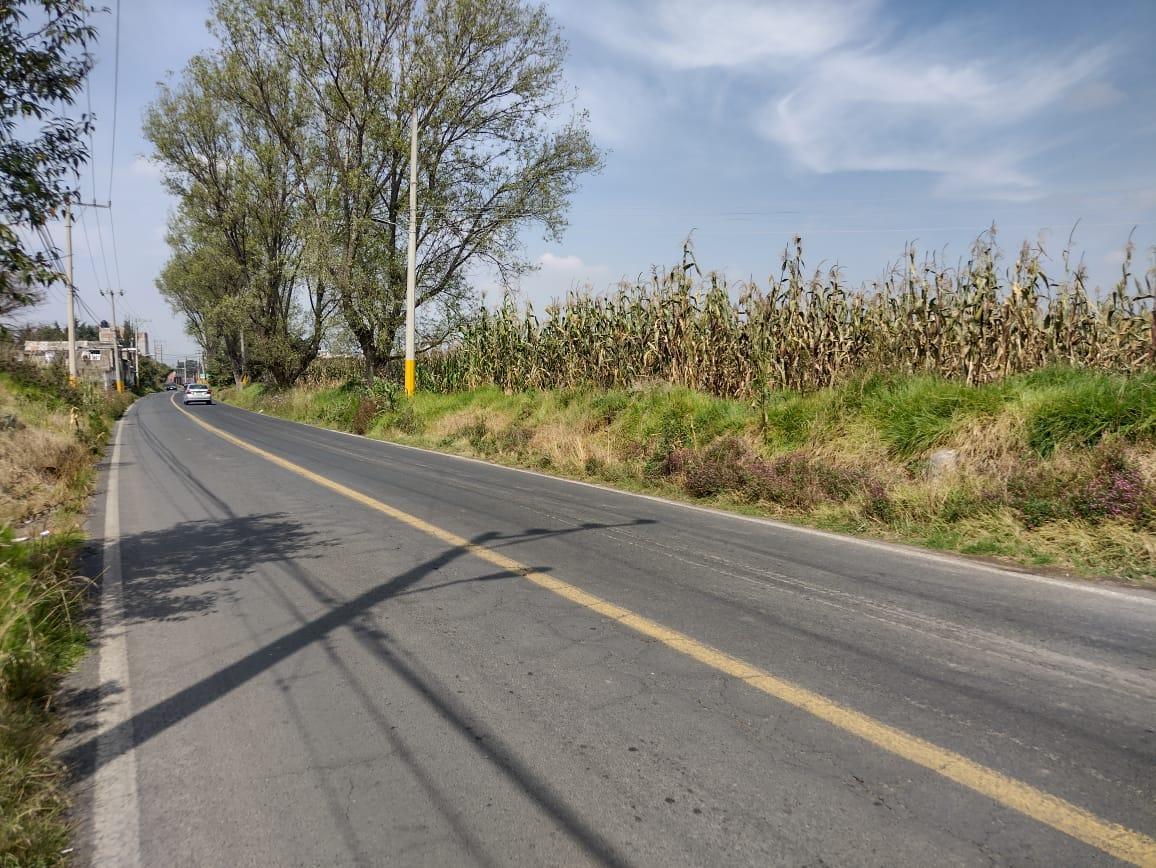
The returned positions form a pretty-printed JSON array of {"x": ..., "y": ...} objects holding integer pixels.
[{"x": 410, "y": 275}]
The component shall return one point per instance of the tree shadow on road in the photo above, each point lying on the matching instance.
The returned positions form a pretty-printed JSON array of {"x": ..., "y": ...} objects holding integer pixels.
[{"x": 184, "y": 570}]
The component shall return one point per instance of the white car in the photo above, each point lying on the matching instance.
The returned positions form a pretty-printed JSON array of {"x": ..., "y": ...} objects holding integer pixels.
[{"x": 198, "y": 393}]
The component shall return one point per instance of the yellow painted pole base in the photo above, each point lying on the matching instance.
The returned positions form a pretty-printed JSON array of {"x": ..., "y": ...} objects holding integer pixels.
[
  {"x": 120, "y": 385},
  {"x": 410, "y": 377}
]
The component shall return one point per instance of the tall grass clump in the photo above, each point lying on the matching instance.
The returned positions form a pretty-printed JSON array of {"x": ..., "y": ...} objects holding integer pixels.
[
  {"x": 975, "y": 323},
  {"x": 1080, "y": 410}
]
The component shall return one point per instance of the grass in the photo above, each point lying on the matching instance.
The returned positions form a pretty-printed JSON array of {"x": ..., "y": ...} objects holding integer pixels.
[
  {"x": 1054, "y": 469},
  {"x": 40, "y": 638},
  {"x": 50, "y": 439}
]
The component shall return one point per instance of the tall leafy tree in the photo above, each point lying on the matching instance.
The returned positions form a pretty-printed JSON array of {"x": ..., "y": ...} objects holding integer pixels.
[
  {"x": 501, "y": 149},
  {"x": 43, "y": 63},
  {"x": 238, "y": 248}
]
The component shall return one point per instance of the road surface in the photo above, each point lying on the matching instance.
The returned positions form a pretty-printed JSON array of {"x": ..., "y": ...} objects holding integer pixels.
[{"x": 324, "y": 650}]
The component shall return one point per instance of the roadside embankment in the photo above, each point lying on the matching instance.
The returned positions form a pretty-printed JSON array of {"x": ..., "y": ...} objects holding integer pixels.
[
  {"x": 50, "y": 439},
  {"x": 1054, "y": 469}
]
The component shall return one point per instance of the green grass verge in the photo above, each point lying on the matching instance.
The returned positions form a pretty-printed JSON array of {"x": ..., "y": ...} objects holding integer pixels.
[
  {"x": 48, "y": 448},
  {"x": 40, "y": 638},
  {"x": 1054, "y": 469}
]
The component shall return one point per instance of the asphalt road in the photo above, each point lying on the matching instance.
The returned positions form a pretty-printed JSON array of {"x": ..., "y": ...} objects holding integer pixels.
[{"x": 305, "y": 662}]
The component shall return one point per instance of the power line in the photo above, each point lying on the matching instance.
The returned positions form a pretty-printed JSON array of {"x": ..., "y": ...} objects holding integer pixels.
[
  {"x": 112, "y": 230},
  {"x": 88, "y": 246},
  {"x": 115, "y": 99},
  {"x": 92, "y": 175},
  {"x": 50, "y": 250},
  {"x": 112, "y": 150}
]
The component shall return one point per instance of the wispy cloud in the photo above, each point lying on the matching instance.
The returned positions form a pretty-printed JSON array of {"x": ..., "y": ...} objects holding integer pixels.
[
  {"x": 847, "y": 87},
  {"x": 690, "y": 34},
  {"x": 904, "y": 109}
]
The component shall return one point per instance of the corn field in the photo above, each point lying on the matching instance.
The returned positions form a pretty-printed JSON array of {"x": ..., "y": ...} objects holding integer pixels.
[{"x": 809, "y": 331}]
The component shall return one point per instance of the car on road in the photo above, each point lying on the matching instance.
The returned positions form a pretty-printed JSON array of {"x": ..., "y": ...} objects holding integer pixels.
[
  {"x": 171, "y": 387},
  {"x": 198, "y": 393}
]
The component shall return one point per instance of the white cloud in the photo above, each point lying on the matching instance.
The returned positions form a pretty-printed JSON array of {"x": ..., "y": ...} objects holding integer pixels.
[
  {"x": 906, "y": 109},
  {"x": 553, "y": 262},
  {"x": 846, "y": 86},
  {"x": 690, "y": 34},
  {"x": 558, "y": 274}
]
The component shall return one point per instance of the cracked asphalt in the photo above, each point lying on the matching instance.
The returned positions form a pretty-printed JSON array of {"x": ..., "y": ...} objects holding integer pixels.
[{"x": 314, "y": 683}]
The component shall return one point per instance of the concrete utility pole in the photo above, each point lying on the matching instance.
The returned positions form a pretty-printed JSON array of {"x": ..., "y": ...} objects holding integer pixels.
[
  {"x": 116, "y": 341},
  {"x": 72, "y": 372},
  {"x": 411, "y": 270},
  {"x": 244, "y": 365}
]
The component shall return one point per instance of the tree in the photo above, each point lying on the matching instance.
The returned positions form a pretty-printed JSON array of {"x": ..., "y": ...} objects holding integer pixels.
[
  {"x": 237, "y": 247},
  {"x": 334, "y": 82},
  {"x": 43, "y": 63},
  {"x": 151, "y": 375}
]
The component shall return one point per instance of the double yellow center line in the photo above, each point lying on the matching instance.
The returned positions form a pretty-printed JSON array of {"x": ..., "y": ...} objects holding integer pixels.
[{"x": 1119, "y": 841}]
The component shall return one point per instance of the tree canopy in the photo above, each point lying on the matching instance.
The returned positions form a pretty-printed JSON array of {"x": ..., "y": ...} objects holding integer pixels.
[
  {"x": 321, "y": 92},
  {"x": 44, "y": 60}
]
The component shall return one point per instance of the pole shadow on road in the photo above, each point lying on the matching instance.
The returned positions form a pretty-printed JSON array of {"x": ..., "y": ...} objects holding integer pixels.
[{"x": 237, "y": 544}]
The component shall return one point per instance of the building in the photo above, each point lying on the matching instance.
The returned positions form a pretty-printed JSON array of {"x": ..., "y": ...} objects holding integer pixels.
[{"x": 94, "y": 359}]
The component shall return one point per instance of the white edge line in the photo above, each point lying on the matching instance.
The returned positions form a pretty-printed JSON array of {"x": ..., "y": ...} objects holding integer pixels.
[
  {"x": 960, "y": 563},
  {"x": 115, "y": 811}
]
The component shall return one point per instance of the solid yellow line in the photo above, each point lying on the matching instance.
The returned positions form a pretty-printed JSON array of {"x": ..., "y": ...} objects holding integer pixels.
[{"x": 1119, "y": 841}]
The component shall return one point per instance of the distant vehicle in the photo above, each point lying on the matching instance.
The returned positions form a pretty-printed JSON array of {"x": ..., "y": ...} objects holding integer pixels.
[
  {"x": 170, "y": 387},
  {"x": 198, "y": 393}
]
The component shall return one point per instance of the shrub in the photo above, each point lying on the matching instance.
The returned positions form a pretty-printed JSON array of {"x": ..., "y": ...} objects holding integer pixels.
[
  {"x": 723, "y": 466},
  {"x": 477, "y": 434},
  {"x": 799, "y": 481},
  {"x": 363, "y": 416},
  {"x": 1040, "y": 493},
  {"x": 407, "y": 421},
  {"x": 514, "y": 438},
  {"x": 1116, "y": 491},
  {"x": 608, "y": 405}
]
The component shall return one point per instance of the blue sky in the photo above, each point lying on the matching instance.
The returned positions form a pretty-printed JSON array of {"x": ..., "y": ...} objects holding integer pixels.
[{"x": 860, "y": 124}]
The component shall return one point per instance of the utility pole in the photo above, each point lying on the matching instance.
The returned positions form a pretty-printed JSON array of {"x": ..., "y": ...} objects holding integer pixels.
[
  {"x": 72, "y": 372},
  {"x": 411, "y": 271},
  {"x": 244, "y": 364},
  {"x": 115, "y": 340},
  {"x": 201, "y": 376}
]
